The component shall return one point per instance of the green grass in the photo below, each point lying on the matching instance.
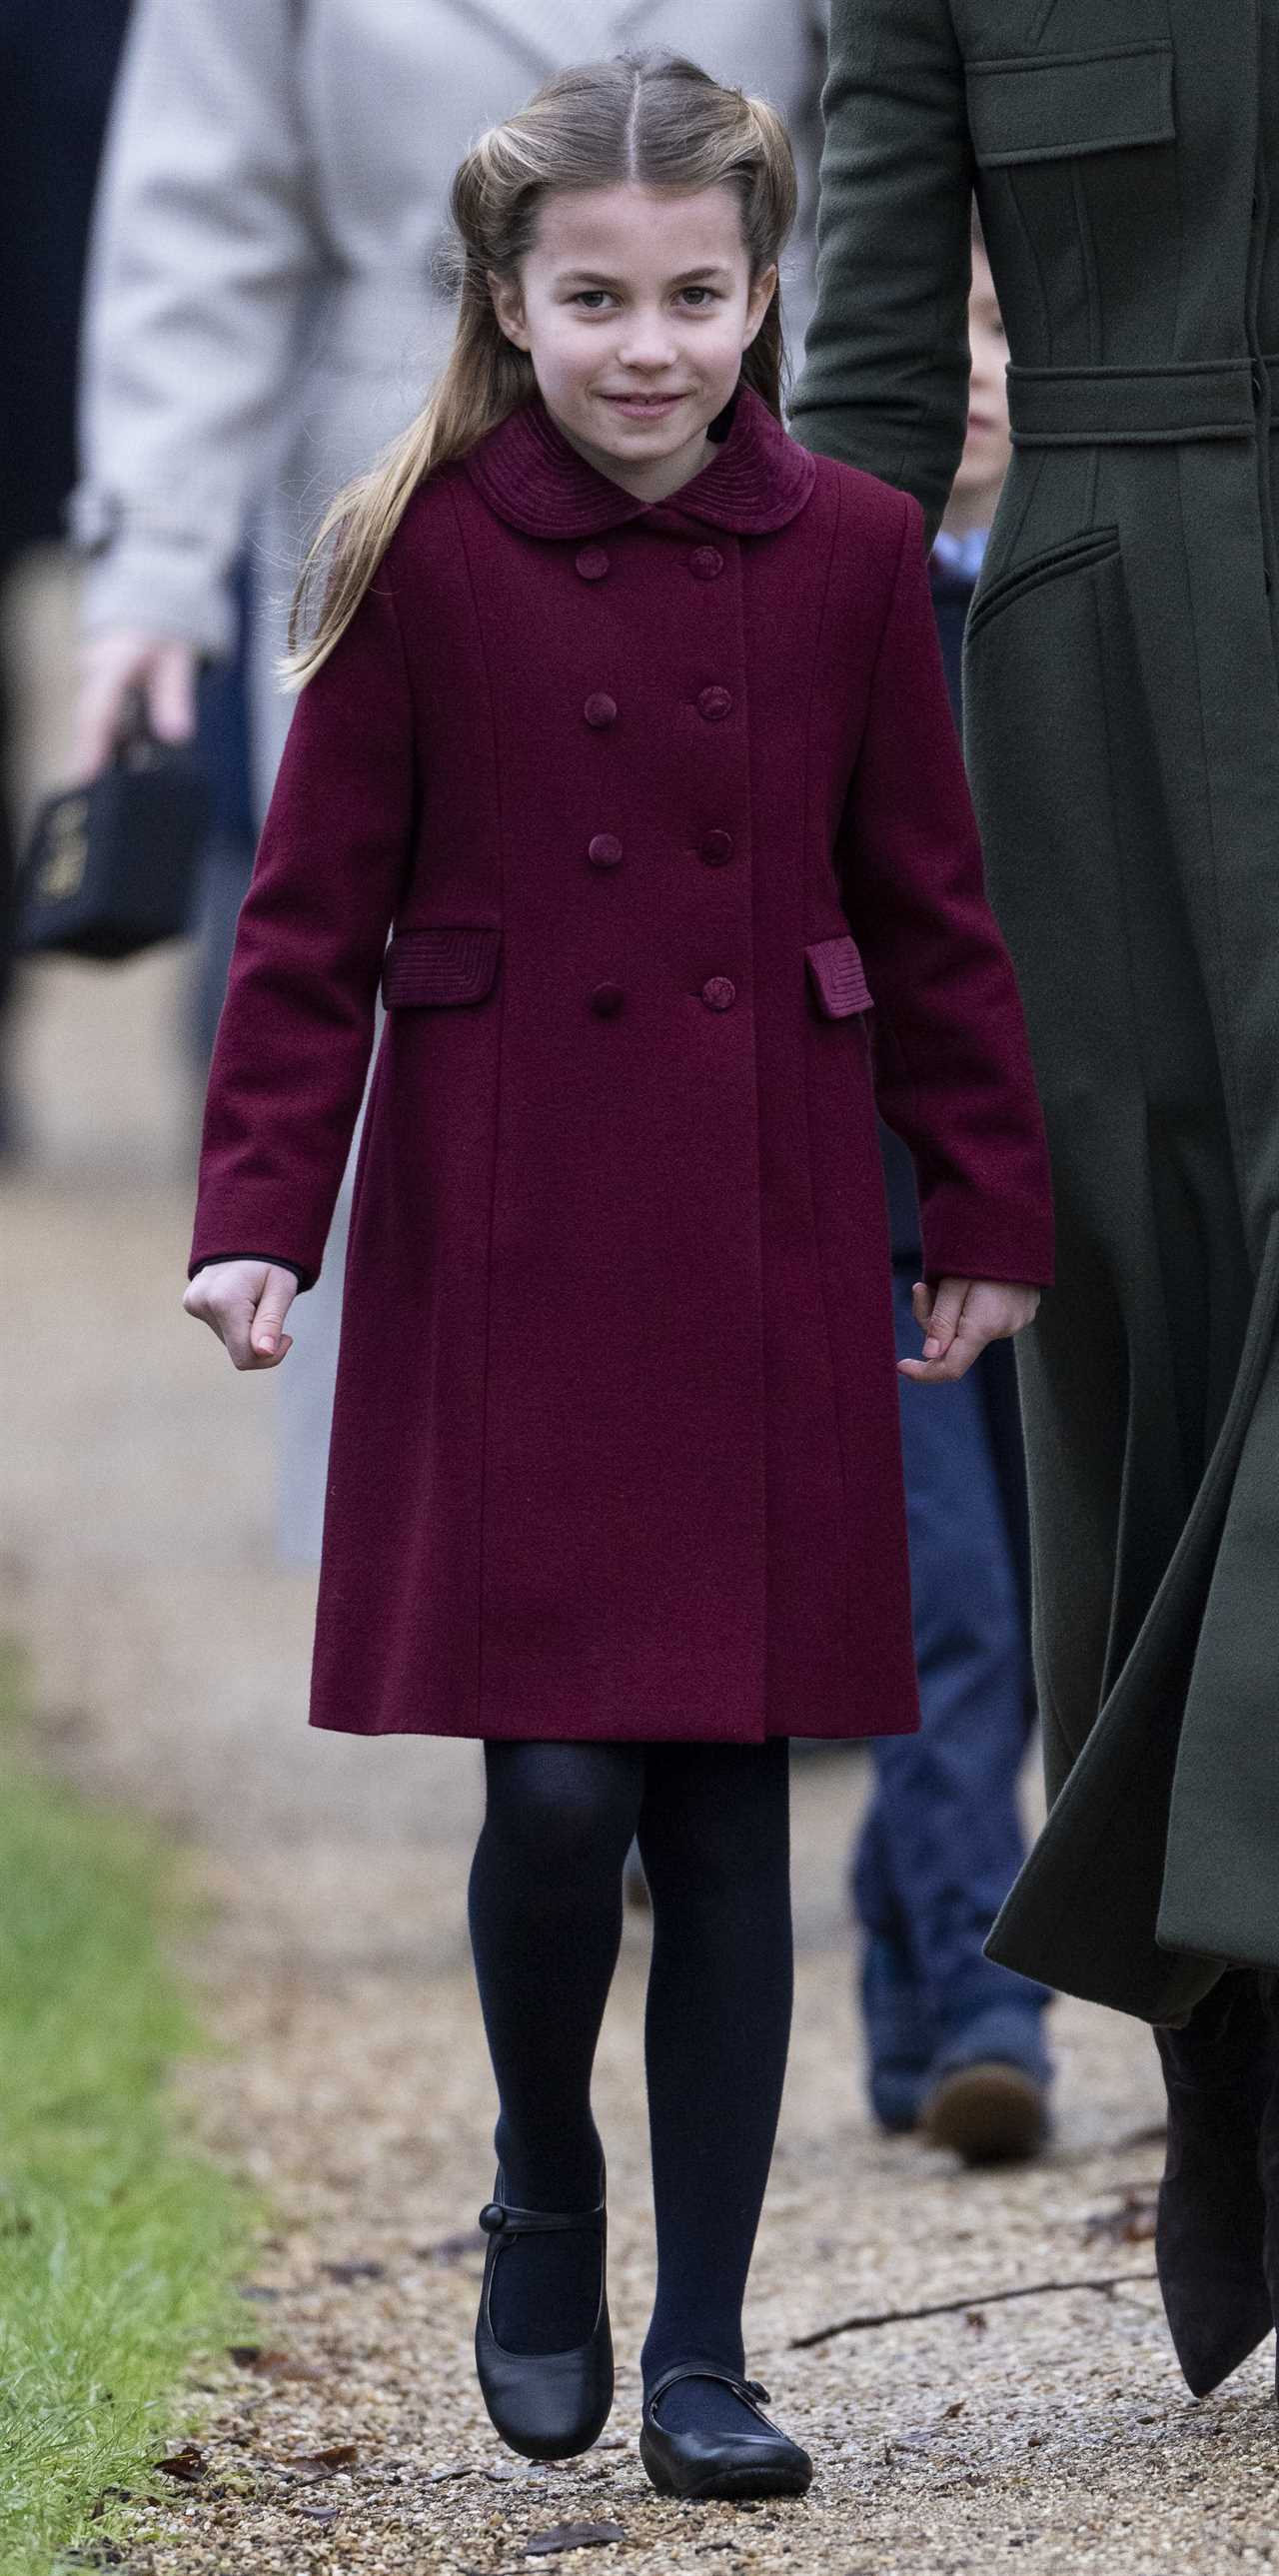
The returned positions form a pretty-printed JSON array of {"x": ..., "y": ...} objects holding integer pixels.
[{"x": 119, "y": 2241}]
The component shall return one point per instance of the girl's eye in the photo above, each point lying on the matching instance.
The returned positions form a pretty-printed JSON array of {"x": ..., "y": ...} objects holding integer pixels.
[
  {"x": 704, "y": 295},
  {"x": 593, "y": 297}
]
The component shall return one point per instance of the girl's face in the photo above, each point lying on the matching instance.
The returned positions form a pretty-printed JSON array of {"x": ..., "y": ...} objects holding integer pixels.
[{"x": 635, "y": 305}]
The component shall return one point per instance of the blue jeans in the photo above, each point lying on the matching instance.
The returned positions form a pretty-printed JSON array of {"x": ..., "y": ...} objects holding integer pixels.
[{"x": 942, "y": 1841}]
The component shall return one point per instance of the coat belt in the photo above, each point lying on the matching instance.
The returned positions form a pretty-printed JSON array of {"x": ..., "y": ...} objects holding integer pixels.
[{"x": 1142, "y": 406}]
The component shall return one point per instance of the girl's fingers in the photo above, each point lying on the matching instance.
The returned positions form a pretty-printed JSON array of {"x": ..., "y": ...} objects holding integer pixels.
[
  {"x": 269, "y": 1341},
  {"x": 245, "y": 1304},
  {"x": 989, "y": 1311},
  {"x": 943, "y": 1323},
  {"x": 958, "y": 1360}
]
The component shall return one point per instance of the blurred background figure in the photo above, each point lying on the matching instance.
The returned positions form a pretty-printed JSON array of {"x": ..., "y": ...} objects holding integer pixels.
[
  {"x": 57, "y": 66},
  {"x": 270, "y": 294},
  {"x": 955, "y": 2044}
]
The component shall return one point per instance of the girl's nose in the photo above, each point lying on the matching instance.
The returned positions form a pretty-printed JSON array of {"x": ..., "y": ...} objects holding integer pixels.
[{"x": 647, "y": 342}]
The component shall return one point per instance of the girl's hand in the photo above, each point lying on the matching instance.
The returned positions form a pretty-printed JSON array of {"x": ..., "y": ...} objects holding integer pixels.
[
  {"x": 960, "y": 1320},
  {"x": 245, "y": 1303},
  {"x": 114, "y": 669}
]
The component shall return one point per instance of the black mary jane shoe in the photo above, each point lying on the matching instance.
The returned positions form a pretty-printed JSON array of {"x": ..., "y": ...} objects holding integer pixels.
[
  {"x": 703, "y": 2465},
  {"x": 546, "y": 2405}
]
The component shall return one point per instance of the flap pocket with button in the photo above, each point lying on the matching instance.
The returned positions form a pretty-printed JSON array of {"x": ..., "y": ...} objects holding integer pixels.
[
  {"x": 1051, "y": 107},
  {"x": 422, "y": 968},
  {"x": 837, "y": 978}
]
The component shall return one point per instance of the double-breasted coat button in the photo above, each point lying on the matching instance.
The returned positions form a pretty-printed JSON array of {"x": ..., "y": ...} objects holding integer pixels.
[
  {"x": 607, "y": 1000},
  {"x": 705, "y": 562},
  {"x": 719, "y": 993},
  {"x": 716, "y": 847},
  {"x": 600, "y": 709},
  {"x": 591, "y": 562},
  {"x": 714, "y": 703},
  {"x": 605, "y": 850}
]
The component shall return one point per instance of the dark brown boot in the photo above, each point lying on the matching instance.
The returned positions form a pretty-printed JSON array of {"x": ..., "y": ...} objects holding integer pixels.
[{"x": 1220, "y": 2071}]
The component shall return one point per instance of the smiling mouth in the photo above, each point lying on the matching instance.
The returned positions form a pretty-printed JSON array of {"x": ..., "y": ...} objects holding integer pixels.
[{"x": 644, "y": 402}]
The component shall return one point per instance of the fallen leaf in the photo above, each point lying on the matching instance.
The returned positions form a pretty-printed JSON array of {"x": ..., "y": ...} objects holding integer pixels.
[
  {"x": 1132, "y": 2223},
  {"x": 271, "y": 2364},
  {"x": 187, "y": 2463},
  {"x": 573, "y": 2535},
  {"x": 99, "y": 2505},
  {"x": 321, "y": 2464},
  {"x": 355, "y": 2271}
]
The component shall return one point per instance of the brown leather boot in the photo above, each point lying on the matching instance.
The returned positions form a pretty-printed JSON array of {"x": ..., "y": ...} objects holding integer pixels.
[{"x": 1220, "y": 2070}]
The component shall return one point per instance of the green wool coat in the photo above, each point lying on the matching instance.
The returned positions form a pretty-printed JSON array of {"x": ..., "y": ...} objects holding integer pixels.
[{"x": 1123, "y": 710}]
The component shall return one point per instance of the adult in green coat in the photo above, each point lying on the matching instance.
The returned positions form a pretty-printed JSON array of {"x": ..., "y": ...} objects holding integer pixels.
[{"x": 1122, "y": 689}]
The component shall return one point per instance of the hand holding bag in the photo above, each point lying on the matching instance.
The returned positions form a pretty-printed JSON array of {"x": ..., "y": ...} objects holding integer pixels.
[{"x": 110, "y": 867}]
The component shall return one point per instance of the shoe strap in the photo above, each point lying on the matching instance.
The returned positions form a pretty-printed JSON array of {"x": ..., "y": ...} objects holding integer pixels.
[
  {"x": 749, "y": 2390},
  {"x": 499, "y": 2218}
]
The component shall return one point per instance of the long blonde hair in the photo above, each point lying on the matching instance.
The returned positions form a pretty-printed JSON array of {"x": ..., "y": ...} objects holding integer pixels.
[{"x": 653, "y": 118}]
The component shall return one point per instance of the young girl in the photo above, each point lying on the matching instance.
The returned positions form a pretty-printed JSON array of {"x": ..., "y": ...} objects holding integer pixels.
[{"x": 624, "y": 716}]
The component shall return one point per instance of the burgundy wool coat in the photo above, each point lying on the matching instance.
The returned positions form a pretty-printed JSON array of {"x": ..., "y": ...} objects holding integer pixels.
[{"x": 663, "y": 808}]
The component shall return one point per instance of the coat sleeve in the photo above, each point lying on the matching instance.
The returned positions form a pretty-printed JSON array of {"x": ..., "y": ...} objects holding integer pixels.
[
  {"x": 203, "y": 249},
  {"x": 885, "y": 380},
  {"x": 296, "y": 1029},
  {"x": 953, "y": 1075}
]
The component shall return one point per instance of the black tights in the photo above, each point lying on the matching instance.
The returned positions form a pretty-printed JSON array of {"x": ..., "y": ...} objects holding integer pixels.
[{"x": 546, "y": 1919}]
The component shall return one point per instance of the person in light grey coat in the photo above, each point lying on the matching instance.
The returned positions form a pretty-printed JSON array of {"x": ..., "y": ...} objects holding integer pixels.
[{"x": 269, "y": 299}]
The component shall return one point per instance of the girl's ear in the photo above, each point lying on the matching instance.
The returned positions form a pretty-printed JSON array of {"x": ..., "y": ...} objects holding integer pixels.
[
  {"x": 508, "y": 304},
  {"x": 761, "y": 295}
]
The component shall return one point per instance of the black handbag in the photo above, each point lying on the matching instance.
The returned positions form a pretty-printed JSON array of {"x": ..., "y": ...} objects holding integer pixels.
[{"x": 111, "y": 866}]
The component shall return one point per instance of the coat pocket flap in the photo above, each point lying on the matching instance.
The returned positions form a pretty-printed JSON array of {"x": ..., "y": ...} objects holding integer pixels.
[
  {"x": 838, "y": 977},
  {"x": 1051, "y": 107},
  {"x": 439, "y": 966}
]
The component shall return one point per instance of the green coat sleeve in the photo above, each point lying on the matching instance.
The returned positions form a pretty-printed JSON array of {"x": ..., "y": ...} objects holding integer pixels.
[{"x": 885, "y": 380}]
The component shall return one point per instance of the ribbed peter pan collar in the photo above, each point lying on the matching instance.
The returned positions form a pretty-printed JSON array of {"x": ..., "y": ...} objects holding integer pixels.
[{"x": 528, "y": 473}]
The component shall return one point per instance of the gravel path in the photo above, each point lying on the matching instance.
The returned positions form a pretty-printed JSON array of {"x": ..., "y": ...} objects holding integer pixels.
[{"x": 170, "y": 1658}]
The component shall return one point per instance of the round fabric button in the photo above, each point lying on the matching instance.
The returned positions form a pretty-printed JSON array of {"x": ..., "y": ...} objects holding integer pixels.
[
  {"x": 716, "y": 847},
  {"x": 591, "y": 562},
  {"x": 714, "y": 703},
  {"x": 719, "y": 994},
  {"x": 607, "y": 1000},
  {"x": 605, "y": 850},
  {"x": 600, "y": 709},
  {"x": 705, "y": 562}
]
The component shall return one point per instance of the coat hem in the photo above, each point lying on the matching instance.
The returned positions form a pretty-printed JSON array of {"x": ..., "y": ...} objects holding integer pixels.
[{"x": 570, "y": 1735}]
